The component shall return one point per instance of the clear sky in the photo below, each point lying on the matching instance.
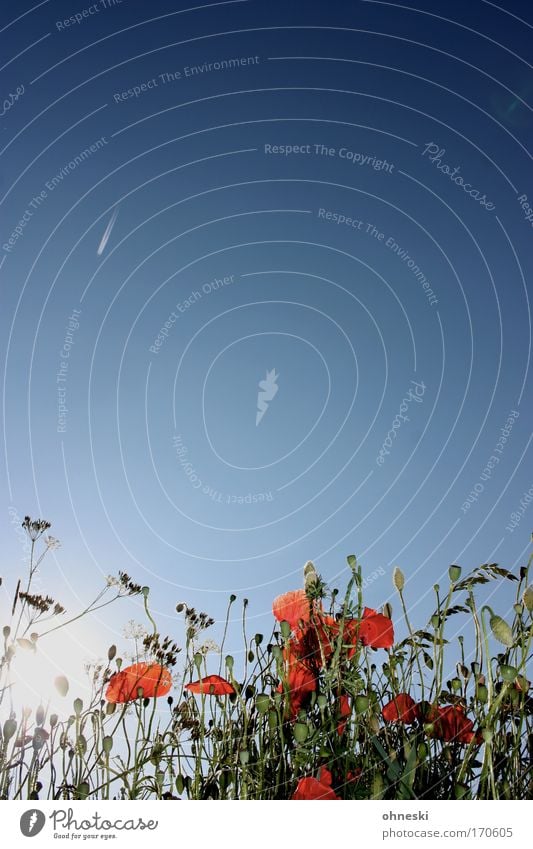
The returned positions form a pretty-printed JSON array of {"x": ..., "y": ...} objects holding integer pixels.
[{"x": 331, "y": 200}]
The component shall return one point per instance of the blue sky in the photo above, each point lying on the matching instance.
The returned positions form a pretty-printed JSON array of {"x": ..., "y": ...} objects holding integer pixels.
[{"x": 194, "y": 199}]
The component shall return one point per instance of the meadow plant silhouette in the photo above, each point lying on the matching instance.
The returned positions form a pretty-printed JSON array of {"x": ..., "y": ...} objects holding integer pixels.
[{"x": 330, "y": 707}]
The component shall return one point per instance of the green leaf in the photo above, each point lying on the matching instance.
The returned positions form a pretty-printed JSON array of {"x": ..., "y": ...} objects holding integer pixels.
[{"x": 408, "y": 776}]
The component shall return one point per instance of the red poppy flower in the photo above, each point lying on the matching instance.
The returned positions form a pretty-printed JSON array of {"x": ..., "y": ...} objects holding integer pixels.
[
  {"x": 292, "y": 607},
  {"x": 212, "y": 685},
  {"x": 376, "y": 630},
  {"x": 451, "y": 725},
  {"x": 301, "y": 682},
  {"x": 401, "y": 709},
  {"x": 373, "y": 630},
  {"x": 344, "y": 711},
  {"x": 314, "y": 643},
  {"x": 315, "y": 788},
  {"x": 154, "y": 679}
]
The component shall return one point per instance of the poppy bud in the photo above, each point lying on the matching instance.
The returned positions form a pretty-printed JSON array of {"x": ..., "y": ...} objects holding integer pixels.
[
  {"x": 53, "y": 720},
  {"x": 78, "y": 706},
  {"x": 501, "y": 630},
  {"x": 10, "y": 727},
  {"x": 454, "y": 573},
  {"x": 229, "y": 662},
  {"x": 258, "y": 639},
  {"x": 285, "y": 629},
  {"x": 310, "y": 575},
  {"x": 435, "y": 620},
  {"x": 518, "y": 609},
  {"x": 301, "y": 732},
  {"x": 232, "y": 598},
  {"x": 398, "y": 579},
  {"x": 272, "y": 720},
  {"x": 527, "y": 598},
  {"x": 422, "y": 751},
  {"x": 110, "y": 708},
  {"x": 180, "y": 784},
  {"x": 107, "y": 744},
  {"x": 482, "y": 694},
  {"x": 6, "y": 630},
  {"x": 145, "y": 591},
  {"x": 111, "y": 652},
  {"x": 262, "y": 702},
  {"x": 83, "y": 790},
  {"x": 361, "y": 704},
  {"x": 373, "y": 723},
  {"x": 321, "y": 701},
  {"x": 508, "y": 673}
]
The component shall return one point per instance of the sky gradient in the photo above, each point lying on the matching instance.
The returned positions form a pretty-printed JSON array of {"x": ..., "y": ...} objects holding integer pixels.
[{"x": 333, "y": 200}]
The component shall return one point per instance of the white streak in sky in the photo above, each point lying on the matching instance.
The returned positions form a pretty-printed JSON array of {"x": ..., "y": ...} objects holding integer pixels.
[{"x": 107, "y": 232}]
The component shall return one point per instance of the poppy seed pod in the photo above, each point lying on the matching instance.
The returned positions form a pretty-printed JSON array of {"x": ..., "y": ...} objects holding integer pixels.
[
  {"x": 454, "y": 573},
  {"x": 301, "y": 732}
]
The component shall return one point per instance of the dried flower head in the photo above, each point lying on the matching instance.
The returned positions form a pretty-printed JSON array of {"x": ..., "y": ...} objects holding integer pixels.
[{"x": 35, "y": 527}]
